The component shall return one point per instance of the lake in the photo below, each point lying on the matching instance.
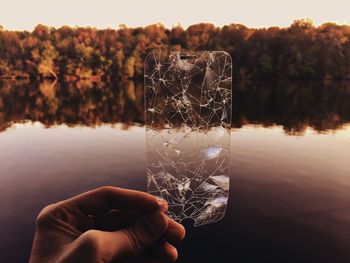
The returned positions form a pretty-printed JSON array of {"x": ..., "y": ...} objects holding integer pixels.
[{"x": 290, "y": 171}]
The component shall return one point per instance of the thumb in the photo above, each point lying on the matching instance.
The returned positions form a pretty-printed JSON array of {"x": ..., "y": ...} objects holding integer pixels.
[{"x": 143, "y": 234}]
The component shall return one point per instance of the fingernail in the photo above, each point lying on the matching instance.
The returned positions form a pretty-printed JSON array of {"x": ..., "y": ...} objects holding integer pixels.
[{"x": 162, "y": 204}]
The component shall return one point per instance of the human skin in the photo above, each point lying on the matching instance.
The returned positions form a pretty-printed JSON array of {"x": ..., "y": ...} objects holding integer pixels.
[{"x": 107, "y": 224}]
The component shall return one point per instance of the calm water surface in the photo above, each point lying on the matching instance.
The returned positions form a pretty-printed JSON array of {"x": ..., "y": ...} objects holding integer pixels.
[{"x": 289, "y": 189}]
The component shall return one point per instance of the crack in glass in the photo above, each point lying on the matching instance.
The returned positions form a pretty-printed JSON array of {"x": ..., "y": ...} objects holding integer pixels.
[{"x": 188, "y": 121}]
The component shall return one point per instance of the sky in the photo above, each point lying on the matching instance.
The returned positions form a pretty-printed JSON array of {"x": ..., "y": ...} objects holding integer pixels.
[{"x": 25, "y": 14}]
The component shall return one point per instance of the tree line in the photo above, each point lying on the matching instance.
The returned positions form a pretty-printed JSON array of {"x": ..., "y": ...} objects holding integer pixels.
[{"x": 300, "y": 51}]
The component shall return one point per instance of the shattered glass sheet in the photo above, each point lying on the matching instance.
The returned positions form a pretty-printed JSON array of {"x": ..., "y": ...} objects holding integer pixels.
[{"x": 188, "y": 122}]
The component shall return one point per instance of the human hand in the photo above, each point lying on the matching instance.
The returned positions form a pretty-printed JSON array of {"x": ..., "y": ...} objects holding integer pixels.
[{"x": 106, "y": 225}]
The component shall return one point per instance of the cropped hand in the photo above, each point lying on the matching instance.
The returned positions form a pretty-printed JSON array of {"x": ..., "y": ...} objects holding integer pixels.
[{"x": 106, "y": 225}]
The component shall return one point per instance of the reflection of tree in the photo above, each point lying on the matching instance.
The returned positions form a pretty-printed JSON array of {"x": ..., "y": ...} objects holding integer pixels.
[
  {"x": 294, "y": 105},
  {"x": 85, "y": 103}
]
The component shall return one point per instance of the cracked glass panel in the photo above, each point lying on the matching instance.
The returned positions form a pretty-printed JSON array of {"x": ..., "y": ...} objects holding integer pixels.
[{"x": 188, "y": 122}]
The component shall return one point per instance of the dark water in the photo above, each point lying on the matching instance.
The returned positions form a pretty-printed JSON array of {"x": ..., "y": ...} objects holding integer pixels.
[{"x": 290, "y": 170}]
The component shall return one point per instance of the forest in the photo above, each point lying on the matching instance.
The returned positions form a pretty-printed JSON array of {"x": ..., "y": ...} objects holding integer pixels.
[{"x": 300, "y": 51}]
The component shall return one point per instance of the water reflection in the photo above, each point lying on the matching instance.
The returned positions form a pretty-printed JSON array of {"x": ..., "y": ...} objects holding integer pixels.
[
  {"x": 289, "y": 195},
  {"x": 81, "y": 103},
  {"x": 293, "y": 105}
]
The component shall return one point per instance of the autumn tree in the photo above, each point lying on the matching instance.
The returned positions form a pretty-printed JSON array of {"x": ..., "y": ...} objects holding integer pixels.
[{"x": 300, "y": 51}]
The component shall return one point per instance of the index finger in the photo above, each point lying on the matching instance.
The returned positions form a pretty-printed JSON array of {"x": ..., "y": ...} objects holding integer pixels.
[{"x": 106, "y": 198}]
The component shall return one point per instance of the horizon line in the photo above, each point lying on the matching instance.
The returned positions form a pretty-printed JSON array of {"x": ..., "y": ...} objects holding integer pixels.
[{"x": 174, "y": 25}]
